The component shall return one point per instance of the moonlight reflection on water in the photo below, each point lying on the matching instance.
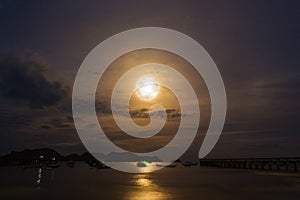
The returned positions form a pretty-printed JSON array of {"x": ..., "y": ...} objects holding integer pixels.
[{"x": 147, "y": 189}]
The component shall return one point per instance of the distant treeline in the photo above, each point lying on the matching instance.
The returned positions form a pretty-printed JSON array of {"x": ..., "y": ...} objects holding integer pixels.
[{"x": 31, "y": 156}]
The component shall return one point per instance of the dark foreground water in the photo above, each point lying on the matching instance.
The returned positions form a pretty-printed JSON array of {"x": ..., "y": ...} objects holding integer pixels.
[{"x": 84, "y": 182}]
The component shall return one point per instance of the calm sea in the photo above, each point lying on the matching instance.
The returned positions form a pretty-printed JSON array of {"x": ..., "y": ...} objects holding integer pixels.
[{"x": 84, "y": 182}]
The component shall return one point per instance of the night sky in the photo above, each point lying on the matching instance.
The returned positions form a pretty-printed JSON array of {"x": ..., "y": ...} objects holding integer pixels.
[{"x": 255, "y": 44}]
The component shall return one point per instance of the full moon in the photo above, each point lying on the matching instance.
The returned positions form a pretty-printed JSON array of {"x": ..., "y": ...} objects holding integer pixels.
[{"x": 147, "y": 88}]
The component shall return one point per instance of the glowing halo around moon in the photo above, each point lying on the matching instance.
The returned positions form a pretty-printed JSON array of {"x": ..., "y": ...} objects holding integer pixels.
[
  {"x": 97, "y": 61},
  {"x": 147, "y": 88}
]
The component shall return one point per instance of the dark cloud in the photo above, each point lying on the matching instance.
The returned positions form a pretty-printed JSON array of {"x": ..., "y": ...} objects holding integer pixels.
[
  {"x": 145, "y": 113},
  {"x": 59, "y": 123},
  {"x": 23, "y": 81},
  {"x": 69, "y": 118},
  {"x": 45, "y": 127},
  {"x": 103, "y": 107}
]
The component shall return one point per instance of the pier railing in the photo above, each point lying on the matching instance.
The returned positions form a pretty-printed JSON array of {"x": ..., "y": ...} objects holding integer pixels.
[{"x": 279, "y": 164}]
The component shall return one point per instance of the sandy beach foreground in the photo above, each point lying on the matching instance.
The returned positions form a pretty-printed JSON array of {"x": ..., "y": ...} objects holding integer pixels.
[{"x": 84, "y": 182}]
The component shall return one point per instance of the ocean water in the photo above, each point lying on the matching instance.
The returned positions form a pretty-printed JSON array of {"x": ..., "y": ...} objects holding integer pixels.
[{"x": 85, "y": 182}]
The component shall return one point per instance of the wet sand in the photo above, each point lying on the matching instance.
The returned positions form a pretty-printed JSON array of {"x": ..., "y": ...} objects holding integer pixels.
[{"x": 84, "y": 182}]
